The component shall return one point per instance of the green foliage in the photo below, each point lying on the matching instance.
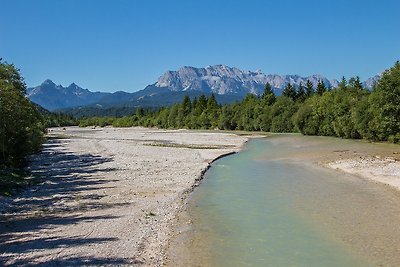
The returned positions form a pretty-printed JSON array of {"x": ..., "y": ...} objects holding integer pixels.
[
  {"x": 385, "y": 106},
  {"x": 289, "y": 91},
  {"x": 21, "y": 126},
  {"x": 227, "y": 119},
  {"x": 305, "y": 120},
  {"x": 248, "y": 113},
  {"x": 122, "y": 122},
  {"x": 343, "y": 84},
  {"x": 355, "y": 84},
  {"x": 57, "y": 119},
  {"x": 96, "y": 121},
  {"x": 348, "y": 111},
  {"x": 321, "y": 88},
  {"x": 362, "y": 116},
  {"x": 309, "y": 89},
  {"x": 281, "y": 114},
  {"x": 268, "y": 97},
  {"x": 301, "y": 93},
  {"x": 91, "y": 111}
]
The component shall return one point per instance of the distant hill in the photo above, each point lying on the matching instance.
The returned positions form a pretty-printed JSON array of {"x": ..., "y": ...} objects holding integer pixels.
[
  {"x": 227, "y": 83},
  {"x": 52, "y": 96}
]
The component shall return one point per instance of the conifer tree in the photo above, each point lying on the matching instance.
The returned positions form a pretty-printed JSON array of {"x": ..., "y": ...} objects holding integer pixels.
[
  {"x": 139, "y": 112},
  {"x": 269, "y": 95},
  {"x": 343, "y": 84},
  {"x": 202, "y": 103},
  {"x": 309, "y": 88},
  {"x": 321, "y": 88},
  {"x": 355, "y": 84},
  {"x": 212, "y": 102},
  {"x": 301, "y": 94},
  {"x": 194, "y": 103},
  {"x": 186, "y": 105},
  {"x": 289, "y": 91}
]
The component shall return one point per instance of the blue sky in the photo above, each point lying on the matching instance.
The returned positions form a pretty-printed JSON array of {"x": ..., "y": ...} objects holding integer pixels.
[{"x": 126, "y": 45}]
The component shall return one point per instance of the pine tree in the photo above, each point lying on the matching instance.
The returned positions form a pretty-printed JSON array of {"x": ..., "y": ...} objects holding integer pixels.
[
  {"x": 355, "y": 84},
  {"x": 309, "y": 88},
  {"x": 194, "y": 103},
  {"x": 321, "y": 88},
  {"x": 202, "y": 103},
  {"x": 139, "y": 112},
  {"x": 186, "y": 105},
  {"x": 173, "y": 115},
  {"x": 343, "y": 84},
  {"x": 289, "y": 91},
  {"x": 301, "y": 94},
  {"x": 212, "y": 103},
  {"x": 268, "y": 96}
]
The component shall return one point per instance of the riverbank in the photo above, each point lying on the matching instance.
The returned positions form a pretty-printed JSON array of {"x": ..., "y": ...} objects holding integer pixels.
[
  {"x": 109, "y": 196},
  {"x": 378, "y": 168}
]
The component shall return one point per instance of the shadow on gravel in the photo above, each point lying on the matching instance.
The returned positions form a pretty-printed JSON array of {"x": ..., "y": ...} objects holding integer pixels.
[
  {"x": 77, "y": 261},
  {"x": 60, "y": 199}
]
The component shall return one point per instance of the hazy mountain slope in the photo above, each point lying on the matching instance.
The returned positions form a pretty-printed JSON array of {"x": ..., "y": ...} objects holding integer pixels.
[{"x": 52, "y": 96}]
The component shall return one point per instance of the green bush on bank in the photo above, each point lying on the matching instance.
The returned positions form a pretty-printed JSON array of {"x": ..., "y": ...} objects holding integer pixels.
[
  {"x": 22, "y": 129},
  {"x": 21, "y": 126}
]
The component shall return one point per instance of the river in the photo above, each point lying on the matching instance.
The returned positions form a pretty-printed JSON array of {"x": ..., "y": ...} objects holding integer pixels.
[{"x": 266, "y": 207}]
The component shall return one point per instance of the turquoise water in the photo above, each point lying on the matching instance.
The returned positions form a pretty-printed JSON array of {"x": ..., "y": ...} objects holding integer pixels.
[{"x": 245, "y": 212}]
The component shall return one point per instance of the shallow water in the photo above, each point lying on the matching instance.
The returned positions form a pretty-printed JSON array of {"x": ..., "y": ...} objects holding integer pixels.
[
  {"x": 261, "y": 208},
  {"x": 247, "y": 209}
]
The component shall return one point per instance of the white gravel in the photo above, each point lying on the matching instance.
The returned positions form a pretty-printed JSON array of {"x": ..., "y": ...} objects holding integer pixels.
[{"x": 376, "y": 168}]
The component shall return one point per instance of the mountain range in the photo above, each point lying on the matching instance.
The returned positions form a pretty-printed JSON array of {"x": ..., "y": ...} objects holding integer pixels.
[{"x": 227, "y": 83}]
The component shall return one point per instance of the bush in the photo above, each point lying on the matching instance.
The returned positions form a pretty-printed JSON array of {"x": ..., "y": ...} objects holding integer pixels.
[{"x": 22, "y": 126}]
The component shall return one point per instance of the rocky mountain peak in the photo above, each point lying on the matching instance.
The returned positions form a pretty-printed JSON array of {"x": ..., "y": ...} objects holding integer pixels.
[
  {"x": 48, "y": 82},
  {"x": 222, "y": 79},
  {"x": 52, "y": 96},
  {"x": 73, "y": 85},
  {"x": 369, "y": 83}
]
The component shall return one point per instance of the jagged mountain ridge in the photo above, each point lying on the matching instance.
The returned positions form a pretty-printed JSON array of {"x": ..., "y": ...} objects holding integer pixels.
[
  {"x": 52, "y": 96},
  {"x": 221, "y": 79},
  {"x": 370, "y": 82},
  {"x": 229, "y": 84}
]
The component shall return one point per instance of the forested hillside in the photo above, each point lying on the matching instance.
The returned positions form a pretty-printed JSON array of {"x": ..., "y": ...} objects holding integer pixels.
[{"x": 348, "y": 111}]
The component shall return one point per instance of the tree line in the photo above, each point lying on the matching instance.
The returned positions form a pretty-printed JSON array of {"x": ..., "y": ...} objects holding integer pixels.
[{"x": 348, "y": 111}]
